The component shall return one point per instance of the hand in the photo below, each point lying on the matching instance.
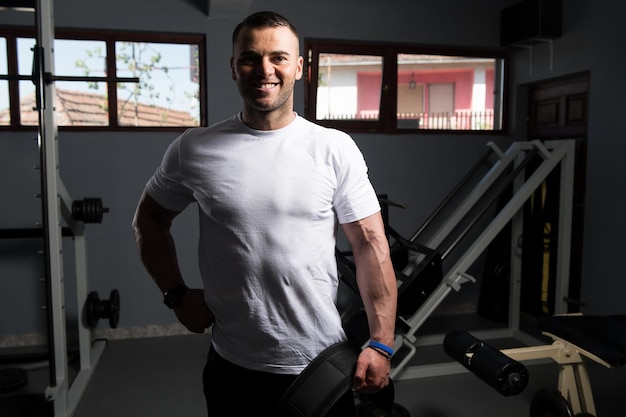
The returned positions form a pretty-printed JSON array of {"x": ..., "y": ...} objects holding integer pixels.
[
  {"x": 372, "y": 372},
  {"x": 193, "y": 312}
]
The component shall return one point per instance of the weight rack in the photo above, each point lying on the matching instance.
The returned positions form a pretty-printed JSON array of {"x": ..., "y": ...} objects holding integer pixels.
[{"x": 57, "y": 206}]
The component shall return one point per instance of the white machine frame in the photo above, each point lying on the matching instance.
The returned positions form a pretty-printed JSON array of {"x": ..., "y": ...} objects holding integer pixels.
[
  {"x": 554, "y": 154},
  {"x": 58, "y": 206},
  {"x": 573, "y": 382},
  {"x": 64, "y": 390}
]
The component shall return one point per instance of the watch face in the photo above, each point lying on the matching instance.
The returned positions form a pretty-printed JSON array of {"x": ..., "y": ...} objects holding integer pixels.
[
  {"x": 170, "y": 300},
  {"x": 173, "y": 297}
]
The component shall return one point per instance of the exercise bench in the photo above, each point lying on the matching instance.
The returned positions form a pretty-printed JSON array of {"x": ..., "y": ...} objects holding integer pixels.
[{"x": 575, "y": 338}]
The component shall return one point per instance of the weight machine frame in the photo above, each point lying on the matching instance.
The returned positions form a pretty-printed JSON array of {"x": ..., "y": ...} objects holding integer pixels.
[
  {"x": 553, "y": 154},
  {"x": 64, "y": 390},
  {"x": 576, "y": 340},
  {"x": 57, "y": 205},
  {"x": 573, "y": 380}
]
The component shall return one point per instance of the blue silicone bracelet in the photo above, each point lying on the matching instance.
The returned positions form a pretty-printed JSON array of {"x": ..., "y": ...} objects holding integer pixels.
[{"x": 382, "y": 347}]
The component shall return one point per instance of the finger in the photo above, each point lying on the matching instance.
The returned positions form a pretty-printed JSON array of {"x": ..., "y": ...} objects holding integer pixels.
[{"x": 359, "y": 376}]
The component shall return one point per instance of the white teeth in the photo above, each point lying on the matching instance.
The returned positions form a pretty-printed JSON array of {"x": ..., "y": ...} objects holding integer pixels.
[{"x": 268, "y": 85}]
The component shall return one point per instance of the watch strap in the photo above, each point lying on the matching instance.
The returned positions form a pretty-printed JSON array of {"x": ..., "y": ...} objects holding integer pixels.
[{"x": 173, "y": 297}]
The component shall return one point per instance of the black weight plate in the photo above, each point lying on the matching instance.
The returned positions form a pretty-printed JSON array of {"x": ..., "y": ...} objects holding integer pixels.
[
  {"x": 12, "y": 379},
  {"x": 368, "y": 409},
  {"x": 114, "y": 309},
  {"x": 549, "y": 402},
  {"x": 91, "y": 309}
]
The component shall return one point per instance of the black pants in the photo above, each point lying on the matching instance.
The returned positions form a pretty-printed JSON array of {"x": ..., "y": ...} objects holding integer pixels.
[{"x": 232, "y": 390}]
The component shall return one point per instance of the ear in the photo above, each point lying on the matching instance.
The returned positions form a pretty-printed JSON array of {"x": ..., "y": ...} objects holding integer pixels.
[
  {"x": 299, "y": 70},
  {"x": 232, "y": 69}
]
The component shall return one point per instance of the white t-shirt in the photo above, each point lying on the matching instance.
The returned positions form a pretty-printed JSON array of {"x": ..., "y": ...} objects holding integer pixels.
[{"x": 270, "y": 202}]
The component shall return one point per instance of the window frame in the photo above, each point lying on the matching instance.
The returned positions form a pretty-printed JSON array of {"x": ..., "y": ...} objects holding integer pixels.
[
  {"x": 109, "y": 37},
  {"x": 388, "y": 121}
]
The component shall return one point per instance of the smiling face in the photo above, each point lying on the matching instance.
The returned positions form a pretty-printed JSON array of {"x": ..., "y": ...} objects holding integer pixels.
[{"x": 266, "y": 64}]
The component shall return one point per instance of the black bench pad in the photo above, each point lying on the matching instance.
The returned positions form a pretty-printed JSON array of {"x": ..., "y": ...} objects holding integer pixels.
[{"x": 603, "y": 336}]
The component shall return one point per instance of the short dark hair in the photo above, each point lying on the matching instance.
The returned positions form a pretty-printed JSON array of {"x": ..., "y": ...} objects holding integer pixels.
[{"x": 263, "y": 19}]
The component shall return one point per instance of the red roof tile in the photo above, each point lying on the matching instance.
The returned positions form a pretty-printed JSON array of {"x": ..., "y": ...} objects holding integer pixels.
[{"x": 75, "y": 108}]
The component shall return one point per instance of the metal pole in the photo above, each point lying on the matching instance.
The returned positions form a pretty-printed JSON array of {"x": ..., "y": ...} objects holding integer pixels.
[
  {"x": 454, "y": 192},
  {"x": 501, "y": 189},
  {"x": 48, "y": 147}
]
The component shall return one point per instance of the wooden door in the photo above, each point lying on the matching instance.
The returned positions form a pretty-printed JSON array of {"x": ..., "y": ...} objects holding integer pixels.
[{"x": 557, "y": 109}]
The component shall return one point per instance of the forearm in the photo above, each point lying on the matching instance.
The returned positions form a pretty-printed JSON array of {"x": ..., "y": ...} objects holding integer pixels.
[
  {"x": 377, "y": 285},
  {"x": 378, "y": 288},
  {"x": 375, "y": 276},
  {"x": 158, "y": 255}
]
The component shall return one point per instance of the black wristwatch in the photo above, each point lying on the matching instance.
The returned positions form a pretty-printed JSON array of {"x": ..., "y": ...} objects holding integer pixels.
[{"x": 173, "y": 297}]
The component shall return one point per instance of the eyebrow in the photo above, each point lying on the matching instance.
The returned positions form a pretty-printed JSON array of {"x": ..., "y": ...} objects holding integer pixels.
[{"x": 253, "y": 53}]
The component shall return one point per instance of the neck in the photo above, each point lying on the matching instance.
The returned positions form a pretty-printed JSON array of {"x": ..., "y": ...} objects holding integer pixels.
[{"x": 267, "y": 120}]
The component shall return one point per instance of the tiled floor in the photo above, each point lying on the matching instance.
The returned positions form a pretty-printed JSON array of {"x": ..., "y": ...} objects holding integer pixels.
[{"x": 161, "y": 376}]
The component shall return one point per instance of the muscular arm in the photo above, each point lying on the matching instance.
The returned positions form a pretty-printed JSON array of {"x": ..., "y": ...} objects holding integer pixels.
[
  {"x": 377, "y": 286},
  {"x": 157, "y": 250}
]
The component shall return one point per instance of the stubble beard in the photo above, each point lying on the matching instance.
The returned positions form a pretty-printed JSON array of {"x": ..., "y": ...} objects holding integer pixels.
[{"x": 265, "y": 104}]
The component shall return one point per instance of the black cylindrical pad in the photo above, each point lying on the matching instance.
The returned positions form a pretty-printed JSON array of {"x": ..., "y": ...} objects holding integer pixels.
[
  {"x": 504, "y": 374},
  {"x": 459, "y": 344}
]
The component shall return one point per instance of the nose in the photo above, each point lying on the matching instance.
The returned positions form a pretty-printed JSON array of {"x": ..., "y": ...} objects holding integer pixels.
[{"x": 265, "y": 67}]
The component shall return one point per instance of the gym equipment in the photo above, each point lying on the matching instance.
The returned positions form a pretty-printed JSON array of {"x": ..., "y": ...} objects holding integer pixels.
[
  {"x": 601, "y": 339},
  {"x": 31, "y": 405},
  {"x": 63, "y": 392},
  {"x": 369, "y": 409},
  {"x": 96, "y": 309},
  {"x": 436, "y": 259},
  {"x": 88, "y": 210},
  {"x": 12, "y": 379},
  {"x": 505, "y": 375},
  {"x": 549, "y": 402},
  {"x": 322, "y": 383},
  {"x": 325, "y": 380}
]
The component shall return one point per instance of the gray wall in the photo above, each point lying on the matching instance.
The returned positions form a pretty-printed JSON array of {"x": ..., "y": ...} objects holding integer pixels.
[
  {"x": 416, "y": 169},
  {"x": 593, "y": 37}
]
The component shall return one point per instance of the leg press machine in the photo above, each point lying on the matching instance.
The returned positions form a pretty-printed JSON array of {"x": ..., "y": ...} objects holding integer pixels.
[{"x": 436, "y": 260}]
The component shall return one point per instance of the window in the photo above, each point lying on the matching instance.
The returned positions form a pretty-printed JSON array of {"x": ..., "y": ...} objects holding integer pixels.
[
  {"x": 393, "y": 88},
  {"x": 96, "y": 80}
]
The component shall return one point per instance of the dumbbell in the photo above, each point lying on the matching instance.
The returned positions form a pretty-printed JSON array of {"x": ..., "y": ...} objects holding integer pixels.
[
  {"x": 88, "y": 210},
  {"x": 96, "y": 309}
]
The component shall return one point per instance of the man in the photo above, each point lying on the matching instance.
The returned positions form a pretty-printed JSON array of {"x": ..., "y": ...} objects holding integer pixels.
[{"x": 271, "y": 188}]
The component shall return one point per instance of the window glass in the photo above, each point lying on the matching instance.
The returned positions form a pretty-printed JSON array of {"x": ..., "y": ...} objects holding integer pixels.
[
  {"x": 80, "y": 58},
  {"x": 348, "y": 87},
  {"x": 80, "y": 103},
  {"x": 28, "y": 104},
  {"x": 25, "y": 53},
  {"x": 5, "y": 115},
  {"x": 107, "y": 79},
  {"x": 4, "y": 67},
  {"x": 386, "y": 87},
  {"x": 168, "y": 90},
  {"x": 410, "y": 100},
  {"x": 445, "y": 92}
]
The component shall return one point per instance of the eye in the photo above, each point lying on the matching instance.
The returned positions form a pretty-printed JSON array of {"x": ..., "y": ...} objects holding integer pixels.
[{"x": 248, "y": 59}]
